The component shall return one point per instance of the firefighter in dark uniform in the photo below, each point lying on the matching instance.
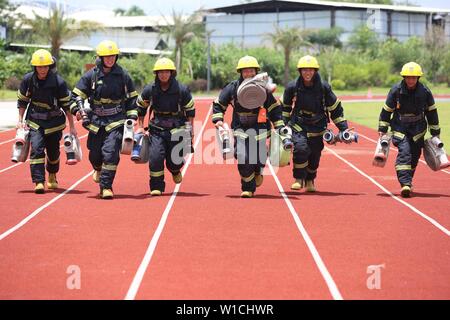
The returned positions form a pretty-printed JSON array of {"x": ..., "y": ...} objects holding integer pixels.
[
  {"x": 308, "y": 103},
  {"x": 46, "y": 96},
  {"x": 409, "y": 106},
  {"x": 170, "y": 128},
  {"x": 112, "y": 98},
  {"x": 251, "y": 127}
]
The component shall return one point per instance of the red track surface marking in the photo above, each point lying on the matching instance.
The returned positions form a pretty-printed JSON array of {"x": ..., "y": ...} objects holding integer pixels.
[
  {"x": 218, "y": 246},
  {"x": 106, "y": 239},
  {"x": 354, "y": 225}
]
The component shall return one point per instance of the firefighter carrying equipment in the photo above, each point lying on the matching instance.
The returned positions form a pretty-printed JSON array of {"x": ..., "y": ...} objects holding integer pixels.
[
  {"x": 382, "y": 150},
  {"x": 128, "y": 137},
  {"x": 252, "y": 92},
  {"x": 21, "y": 146},
  {"x": 72, "y": 149},
  {"x": 434, "y": 154}
]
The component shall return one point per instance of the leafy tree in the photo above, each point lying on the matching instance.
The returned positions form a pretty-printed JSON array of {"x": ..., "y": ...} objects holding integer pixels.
[{"x": 288, "y": 39}]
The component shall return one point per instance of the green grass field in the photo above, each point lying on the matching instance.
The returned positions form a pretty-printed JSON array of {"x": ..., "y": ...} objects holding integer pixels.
[
  {"x": 367, "y": 113},
  {"x": 8, "y": 95}
]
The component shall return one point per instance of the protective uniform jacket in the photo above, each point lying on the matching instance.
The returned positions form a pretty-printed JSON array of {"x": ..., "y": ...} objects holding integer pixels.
[
  {"x": 405, "y": 111},
  {"x": 112, "y": 97},
  {"x": 46, "y": 99}
]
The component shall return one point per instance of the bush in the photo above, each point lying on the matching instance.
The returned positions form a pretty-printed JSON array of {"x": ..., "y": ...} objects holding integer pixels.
[
  {"x": 338, "y": 84},
  {"x": 198, "y": 85},
  {"x": 391, "y": 80},
  {"x": 12, "y": 83},
  {"x": 353, "y": 75}
]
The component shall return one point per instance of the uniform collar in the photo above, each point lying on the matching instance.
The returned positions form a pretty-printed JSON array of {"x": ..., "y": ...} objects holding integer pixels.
[
  {"x": 173, "y": 86},
  {"x": 316, "y": 81},
  {"x": 116, "y": 69},
  {"x": 404, "y": 88},
  {"x": 49, "y": 82}
]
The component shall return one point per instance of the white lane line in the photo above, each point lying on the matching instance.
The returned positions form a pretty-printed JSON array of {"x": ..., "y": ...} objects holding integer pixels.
[
  {"x": 312, "y": 248},
  {"x": 19, "y": 163},
  {"x": 7, "y": 141},
  {"x": 38, "y": 210},
  {"x": 137, "y": 280},
  {"x": 414, "y": 209},
  {"x": 395, "y": 150}
]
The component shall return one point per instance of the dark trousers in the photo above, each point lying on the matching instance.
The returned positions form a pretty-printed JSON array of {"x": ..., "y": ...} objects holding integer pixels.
[
  {"x": 41, "y": 145},
  {"x": 409, "y": 152},
  {"x": 251, "y": 154},
  {"x": 306, "y": 155},
  {"x": 104, "y": 154},
  {"x": 165, "y": 146}
]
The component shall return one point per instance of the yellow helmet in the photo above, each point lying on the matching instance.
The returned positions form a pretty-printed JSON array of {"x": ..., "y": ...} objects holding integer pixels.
[
  {"x": 247, "y": 62},
  {"x": 164, "y": 64},
  {"x": 411, "y": 69},
  {"x": 107, "y": 48},
  {"x": 41, "y": 58},
  {"x": 308, "y": 62}
]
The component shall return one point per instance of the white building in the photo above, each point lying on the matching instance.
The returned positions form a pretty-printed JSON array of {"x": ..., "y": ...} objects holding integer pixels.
[{"x": 246, "y": 24}]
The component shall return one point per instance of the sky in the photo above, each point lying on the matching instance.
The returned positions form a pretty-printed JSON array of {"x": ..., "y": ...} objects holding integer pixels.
[{"x": 157, "y": 7}]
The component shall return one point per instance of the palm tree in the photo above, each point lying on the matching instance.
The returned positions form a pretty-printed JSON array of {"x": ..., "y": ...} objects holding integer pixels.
[
  {"x": 288, "y": 39},
  {"x": 181, "y": 30},
  {"x": 57, "y": 28}
]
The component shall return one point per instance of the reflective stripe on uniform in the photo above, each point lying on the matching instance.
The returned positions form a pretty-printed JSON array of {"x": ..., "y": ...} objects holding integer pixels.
[
  {"x": 20, "y": 96},
  {"x": 132, "y": 94},
  {"x": 315, "y": 134},
  {"x": 142, "y": 103},
  {"x": 37, "y": 161},
  {"x": 301, "y": 165},
  {"x": 387, "y": 108},
  {"x": 54, "y": 129},
  {"x": 216, "y": 116},
  {"x": 132, "y": 113},
  {"x": 310, "y": 170},
  {"x": 189, "y": 106},
  {"x": 420, "y": 135},
  {"x": 107, "y": 101},
  {"x": 156, "y": 174},
  {"x": 434, "y": 127},
  {"x": 334, "y": 106},
  {"x": 286, "y": 114},
  {"x": 249, "y": 178},
  {"x": 80, "y": 93},
  {"x": 221, "y": 105},
  {"x": 33, "y": 125},
  {"x": 52, "y": 162},
  {"x": 278, "y": 123},
  {"x": 176, "y": 130},
  {"x": 41, "y": 105},
  {"x": 339, "y": 120},
  {"x": 403, "y": 167},
  {"x": 398, "y": 134},
  {"x": 431, "y": 108},
  {"x": 92, "y": 128},
  {"x": 113, "y": 125},
  {"x": 110, "y": 167},
  {"x": 384, "y": 124},
  {"x": 273, "y": 106},
  {"x": 297, "y": 128}
]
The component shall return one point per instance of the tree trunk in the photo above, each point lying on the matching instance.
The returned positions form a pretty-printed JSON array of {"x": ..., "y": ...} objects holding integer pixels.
[{"x": 287, "y": 57}]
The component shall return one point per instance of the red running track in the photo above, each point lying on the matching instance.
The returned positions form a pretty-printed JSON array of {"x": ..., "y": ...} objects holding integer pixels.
[{"x": 205, "y": 242}]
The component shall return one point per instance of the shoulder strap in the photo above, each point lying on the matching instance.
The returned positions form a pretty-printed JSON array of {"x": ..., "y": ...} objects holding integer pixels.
[{"x": 397, "y": 98}]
